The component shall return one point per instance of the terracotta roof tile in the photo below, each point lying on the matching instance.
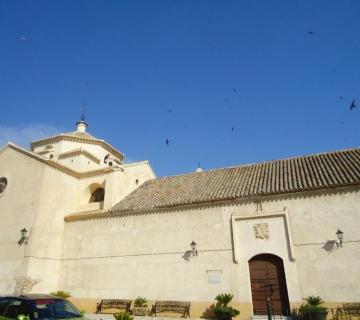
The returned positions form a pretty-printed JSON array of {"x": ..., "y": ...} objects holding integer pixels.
[{"x": 313, "y": 172}]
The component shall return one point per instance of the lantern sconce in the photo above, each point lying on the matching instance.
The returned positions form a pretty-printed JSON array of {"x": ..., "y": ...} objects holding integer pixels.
[
  {"x": 193, "y": 246},
  {"x": 340, "y": 236},
  {"x": 24, "y": 238}
]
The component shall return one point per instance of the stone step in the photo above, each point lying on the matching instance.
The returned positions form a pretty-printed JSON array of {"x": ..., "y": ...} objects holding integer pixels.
[
  {"x": 274, "y": 317},
  {"x": 107, "y": 316}
]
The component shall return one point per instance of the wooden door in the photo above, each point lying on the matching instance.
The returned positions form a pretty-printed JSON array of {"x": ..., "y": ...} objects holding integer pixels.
[{"x": 268, "y": 281}]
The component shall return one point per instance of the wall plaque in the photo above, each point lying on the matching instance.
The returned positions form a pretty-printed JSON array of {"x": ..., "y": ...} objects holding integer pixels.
[
  {"x": 261, "y": 231},
  {"x": 214, "y": 276}
]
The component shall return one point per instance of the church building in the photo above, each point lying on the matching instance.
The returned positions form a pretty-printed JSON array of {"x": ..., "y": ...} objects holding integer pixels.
[{"x": 75, "y": 217}]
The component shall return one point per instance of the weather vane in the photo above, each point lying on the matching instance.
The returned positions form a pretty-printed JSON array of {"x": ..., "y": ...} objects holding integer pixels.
[{"x": 82, "y": 114}]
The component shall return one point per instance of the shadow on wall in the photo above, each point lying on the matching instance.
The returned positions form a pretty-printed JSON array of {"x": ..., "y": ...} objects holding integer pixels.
[
  {"x": 187, "y": 255},
  {"x": 209, "y": 313},
  {"x": 329, "y": 246}
]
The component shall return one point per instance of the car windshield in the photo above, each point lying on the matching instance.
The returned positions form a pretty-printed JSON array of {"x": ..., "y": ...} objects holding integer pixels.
[{"x": 53, "y": 309}]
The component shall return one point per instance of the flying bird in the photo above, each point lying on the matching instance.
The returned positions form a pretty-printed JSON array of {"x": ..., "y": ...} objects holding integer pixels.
[
  {"x": 341, "y": 97},
  {"x": 232, "y": 128},
  {"x": 353, "y": 105},
  {"x": 235, "y": 90},
  {"x": 167, "y": 142},
  {"x": 311, "y": 32}
]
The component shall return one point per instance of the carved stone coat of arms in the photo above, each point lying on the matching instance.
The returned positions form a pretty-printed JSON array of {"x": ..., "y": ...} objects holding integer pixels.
[{"x": 261, "y": 231}]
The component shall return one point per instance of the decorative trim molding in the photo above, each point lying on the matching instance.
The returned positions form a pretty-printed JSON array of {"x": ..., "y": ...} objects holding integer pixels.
[
  {"x": 64, "y": 137},
  {"x": 88, "y": 215},
  {"x": 76, "y": 174},
  {"x": 60, "y": 167},
  {"x": 260, "y": 215},
  {"x": 44, "y": 152},
  {"x": 78, "y": 152}
]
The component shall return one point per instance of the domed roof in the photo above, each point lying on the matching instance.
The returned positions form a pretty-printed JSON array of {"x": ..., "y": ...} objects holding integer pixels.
[{"x": 80, "y": 135}]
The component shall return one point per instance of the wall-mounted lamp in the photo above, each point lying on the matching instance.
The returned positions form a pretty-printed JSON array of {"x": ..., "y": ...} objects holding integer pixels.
[
  {"x": 193, "y": 246},
  {"x": 340, "y": 236},
  {"x": 24, "y": 239}
]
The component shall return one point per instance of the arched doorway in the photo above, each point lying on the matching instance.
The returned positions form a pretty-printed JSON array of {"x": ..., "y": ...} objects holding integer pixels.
[{"x": 267, "y": 279}]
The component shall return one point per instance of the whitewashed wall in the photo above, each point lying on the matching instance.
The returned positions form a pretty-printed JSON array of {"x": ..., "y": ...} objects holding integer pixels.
[
  {"x": 143, "y": 254},
  {"x": 18, "y": 206}
]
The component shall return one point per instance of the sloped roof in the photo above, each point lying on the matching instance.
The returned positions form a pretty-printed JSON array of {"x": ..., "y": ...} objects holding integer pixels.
[{"x": 312, "y": 172}]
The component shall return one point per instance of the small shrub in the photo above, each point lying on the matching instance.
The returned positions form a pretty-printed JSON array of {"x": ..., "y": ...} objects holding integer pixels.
[
  {"x": 313, "y": 301},
  {"x": 140, "y": 302},
  {"x": 222, "y": 310},
  {"x": 312, "y": 309},
  {"x": 61, "y": 294},
  {"x": 224, "y": 299},
  {"x": 123, "y": 316}
]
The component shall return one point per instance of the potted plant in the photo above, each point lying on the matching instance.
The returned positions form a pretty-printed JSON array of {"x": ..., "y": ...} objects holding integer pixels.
[
  {"x": 140, "y": 307},
  {"x": 123, "y": 316},
  {"x": 312, "y": 309},
  {"x": 222, "y": 310},
  {"x": 61, "y": 294}
]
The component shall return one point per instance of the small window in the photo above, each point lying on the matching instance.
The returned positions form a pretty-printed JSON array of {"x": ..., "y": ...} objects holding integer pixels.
[
  {"x": 98, "y": 195},
  {"x": 107, "y": 157},
  {"x": 3, "y": 184}
]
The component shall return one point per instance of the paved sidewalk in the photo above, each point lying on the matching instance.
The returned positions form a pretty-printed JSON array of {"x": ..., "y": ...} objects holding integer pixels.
[{"x": 96, "y": 316}]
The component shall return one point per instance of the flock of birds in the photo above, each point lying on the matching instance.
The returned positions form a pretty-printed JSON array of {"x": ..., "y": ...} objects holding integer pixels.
[{"x": 353, "y": 104}]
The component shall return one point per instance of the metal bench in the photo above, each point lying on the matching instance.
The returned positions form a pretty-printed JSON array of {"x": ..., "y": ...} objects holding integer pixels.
[
  {"x": 121, "y": 304},
  {"x": 351, "y": 310},
  {"x": 172, "y": 306}
]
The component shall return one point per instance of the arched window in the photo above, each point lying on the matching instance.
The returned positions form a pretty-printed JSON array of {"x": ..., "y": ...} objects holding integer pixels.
[
  {"x": 3, "y": 184},
  {"x": 98, "y": 195}
]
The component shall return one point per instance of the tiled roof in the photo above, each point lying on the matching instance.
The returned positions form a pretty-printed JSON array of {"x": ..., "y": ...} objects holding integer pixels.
[{"x": 313, "y": 172}]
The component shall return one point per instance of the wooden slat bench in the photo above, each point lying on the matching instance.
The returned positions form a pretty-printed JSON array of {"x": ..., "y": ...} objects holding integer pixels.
[
  {"x": 348, "y": 311},
  {"x": 172, "y": 306},
  {"x": 121, "y": 304}
]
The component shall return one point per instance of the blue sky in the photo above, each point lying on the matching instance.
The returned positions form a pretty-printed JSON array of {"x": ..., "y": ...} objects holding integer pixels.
[{"x": 226, "y": 82}]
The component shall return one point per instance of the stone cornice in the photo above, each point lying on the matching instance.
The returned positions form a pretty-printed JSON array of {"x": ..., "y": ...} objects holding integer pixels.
[
  {"x": 78, "y": 152},
  {"x": 110, "y": 213},
  {"x": 64, "y": 137},
  {"x": 87, "y": 215},
  {"x": 60, "y": 167}
]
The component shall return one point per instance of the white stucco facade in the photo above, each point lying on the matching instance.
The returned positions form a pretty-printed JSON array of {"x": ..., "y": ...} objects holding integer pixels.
[
  {"x": 147, "y": 253},
  {"x": 149, "y": 248}
]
